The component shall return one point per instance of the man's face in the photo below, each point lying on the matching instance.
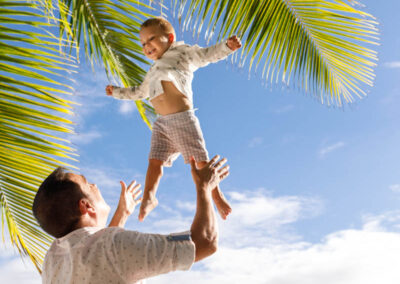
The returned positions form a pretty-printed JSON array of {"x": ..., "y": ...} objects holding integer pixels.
[
  {"x": 154, "y": 42},
  {"x": 95, "y": 198}
]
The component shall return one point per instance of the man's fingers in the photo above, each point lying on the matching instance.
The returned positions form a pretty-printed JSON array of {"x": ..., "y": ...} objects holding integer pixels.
[
  {"x": 213, "y": 160},
  {"x": 224, "y": 175},
  {"x": 131, "y": 185},
  {"x": 220, "y": 163},
  {"x": 136, "y": 194},
  {"x": 223, "y": 170},
  {"x": 136, "y": 191},
  {"x": 123, "y": 186}
]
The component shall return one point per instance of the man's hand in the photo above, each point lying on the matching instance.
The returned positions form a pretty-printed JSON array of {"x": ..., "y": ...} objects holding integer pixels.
[
  {"x": 109, "y": 90},
  {"x": 211, "y": 174},
  {"x": 129, "y": 197},
  {"x": 234, "y": 43},
  {"x": 127, "y": 202}
]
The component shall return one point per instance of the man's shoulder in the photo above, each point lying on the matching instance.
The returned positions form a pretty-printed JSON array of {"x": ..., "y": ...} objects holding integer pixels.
[{"x": 79, "y": 237}]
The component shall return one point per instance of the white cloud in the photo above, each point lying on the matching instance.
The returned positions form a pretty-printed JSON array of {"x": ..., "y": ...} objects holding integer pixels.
[
  {"x": 256, "y": 141},
  {"x": 352, "y": 256},
  {"x": 256, "y": 247},
  {"x": 102, "y": 178},
  {"x": 284, "y": 109},
  {"x": 385, "y": 222},
  {"x": 187, "y": 206},
  {"x": 349, "y": 256},
  {"x": 109, "y": 178},
  {"x": 395, "y": 187},
  {"x": 127, "y": 107},
  {"x": 172, "y": 175},
  {"x": 85, "y": 137},
  {"x": 392, "y": 64},
  {"x": 108, "y": 181},
  {"x": 90, "y": 92},
  {"x": 325, "y": 150},
  {"x": 257, "y": 214},
  {"x": 258, "y": 208},
  {"x": 13, "y": 270}
]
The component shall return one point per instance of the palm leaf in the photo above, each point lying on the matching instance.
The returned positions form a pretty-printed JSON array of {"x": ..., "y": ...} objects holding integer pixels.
[
  {"x": 32, "y": 117},
  {"x": 320, "y": 46},
  {"x": 108, "y": 32}
]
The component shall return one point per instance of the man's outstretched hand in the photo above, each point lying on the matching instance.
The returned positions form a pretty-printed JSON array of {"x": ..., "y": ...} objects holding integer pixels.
[
  {"x": 211, "y": 174},
  {"x": 128, "y": 200},
  {"x": 129, "y": 197}
]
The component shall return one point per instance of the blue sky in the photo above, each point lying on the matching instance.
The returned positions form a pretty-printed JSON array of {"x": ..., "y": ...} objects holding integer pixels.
[{"x": 315, "y": 190}]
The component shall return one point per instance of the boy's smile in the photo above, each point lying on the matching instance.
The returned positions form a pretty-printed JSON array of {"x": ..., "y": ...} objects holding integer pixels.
[{"x": 154, "y": 42}]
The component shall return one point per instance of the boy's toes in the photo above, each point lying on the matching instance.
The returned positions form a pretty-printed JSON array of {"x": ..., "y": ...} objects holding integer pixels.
[{"x": 226, "y": 212}]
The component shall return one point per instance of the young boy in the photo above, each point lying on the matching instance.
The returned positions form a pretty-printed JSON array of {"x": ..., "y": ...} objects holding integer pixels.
[{"x": 168, "y": 86}]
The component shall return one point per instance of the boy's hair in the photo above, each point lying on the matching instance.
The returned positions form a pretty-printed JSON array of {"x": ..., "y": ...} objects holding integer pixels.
[
  {"x": 56, "y": 204},
  {"x": 162, "y": 23}
]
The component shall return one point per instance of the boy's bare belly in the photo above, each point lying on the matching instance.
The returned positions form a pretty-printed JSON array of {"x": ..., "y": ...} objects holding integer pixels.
[{"x": 171, "y": 101}]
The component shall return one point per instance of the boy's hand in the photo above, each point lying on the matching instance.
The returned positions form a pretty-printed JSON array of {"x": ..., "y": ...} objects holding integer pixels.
[
  {"x": 234, "y": 43},
  {"x": 211, "y": 174},
  {"x": 109, "y": 90}
]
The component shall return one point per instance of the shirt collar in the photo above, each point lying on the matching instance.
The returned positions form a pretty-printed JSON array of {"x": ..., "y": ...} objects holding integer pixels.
[
  {"x": 177, "y": 43},
  {"x": 172, "y": 46}
]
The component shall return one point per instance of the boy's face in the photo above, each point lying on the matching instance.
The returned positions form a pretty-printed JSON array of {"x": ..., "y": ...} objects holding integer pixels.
[{"x": 154, "y": 42}]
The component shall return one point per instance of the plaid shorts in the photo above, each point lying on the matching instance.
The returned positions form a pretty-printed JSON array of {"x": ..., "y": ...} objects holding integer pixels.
[{"x": 175, "y": 134}]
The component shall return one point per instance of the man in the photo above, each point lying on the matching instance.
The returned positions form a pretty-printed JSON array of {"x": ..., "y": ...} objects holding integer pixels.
[{"x": 73, "y": 210}]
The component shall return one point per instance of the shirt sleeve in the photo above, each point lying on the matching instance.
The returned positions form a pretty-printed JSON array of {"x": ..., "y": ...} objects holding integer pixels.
[
  {"x": 135, "y": 93},
  {"x": 202, "y": 56},
  {"x": 141, "y": 256}
]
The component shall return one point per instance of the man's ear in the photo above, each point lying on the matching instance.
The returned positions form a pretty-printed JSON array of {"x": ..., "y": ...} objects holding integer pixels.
[
  {"x": 171, "y": 38},
  {"x": 86, "y": 207}
]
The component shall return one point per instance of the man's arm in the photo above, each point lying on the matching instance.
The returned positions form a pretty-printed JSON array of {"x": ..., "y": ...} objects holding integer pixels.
[
  {"x": 204, "y": 227},
  {"x": 138, "y": 255},
  {"x": 127, "y": 202}
]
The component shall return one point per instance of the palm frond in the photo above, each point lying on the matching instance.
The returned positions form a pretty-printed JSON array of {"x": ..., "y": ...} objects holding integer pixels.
[
  {"x": 108, "y": 31},
  {"x": 33, "y": 114},
  {"x": 321, "y": 46}
]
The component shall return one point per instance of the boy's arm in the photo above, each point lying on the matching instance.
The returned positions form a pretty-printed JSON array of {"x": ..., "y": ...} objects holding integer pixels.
[
  {"x": 127, "y": 202},
  {"x": 202, "y": 56},
  {"x": 131, "y": 93}
]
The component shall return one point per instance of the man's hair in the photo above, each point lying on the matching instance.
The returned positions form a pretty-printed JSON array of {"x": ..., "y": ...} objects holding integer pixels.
[
  {"x": 56, "y": 204},
  {"x": 160, "y": 22}
]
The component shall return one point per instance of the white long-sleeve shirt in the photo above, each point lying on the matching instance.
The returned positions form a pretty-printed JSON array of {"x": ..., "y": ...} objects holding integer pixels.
[
  {"x": 114, "y": 255},
  {"x": 177, "y": 65}
]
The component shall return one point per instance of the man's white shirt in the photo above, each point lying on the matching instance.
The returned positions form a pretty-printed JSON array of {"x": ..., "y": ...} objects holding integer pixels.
[{"x": 114, "y": 255}]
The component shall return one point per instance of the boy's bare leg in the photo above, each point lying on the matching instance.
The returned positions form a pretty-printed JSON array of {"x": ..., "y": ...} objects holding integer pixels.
[
  {"x": 223, "y": 206},
  {"x": 153, "y": 176}
]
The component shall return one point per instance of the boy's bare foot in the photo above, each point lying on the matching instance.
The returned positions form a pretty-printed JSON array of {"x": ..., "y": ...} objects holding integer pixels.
[
  {"x": 146, "y": 207},
  {"x": 221, "y": 203}
]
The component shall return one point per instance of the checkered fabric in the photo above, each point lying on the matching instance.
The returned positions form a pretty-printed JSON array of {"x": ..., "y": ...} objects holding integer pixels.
[{"x": 175, "y": 134}]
